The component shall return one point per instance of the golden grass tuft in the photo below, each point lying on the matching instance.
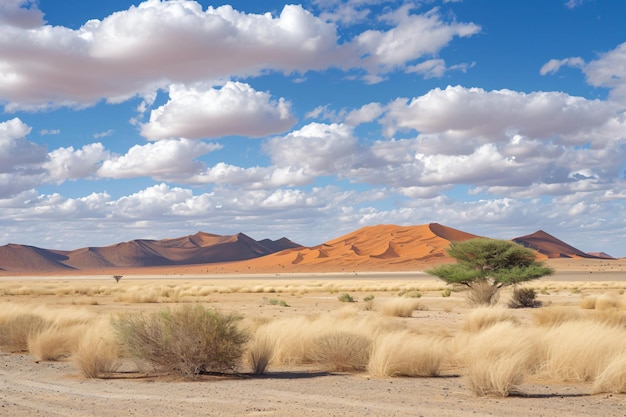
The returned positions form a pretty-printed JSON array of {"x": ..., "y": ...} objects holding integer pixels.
[
  {"x": 342, "y": 351},
  {"x": 402, "y": 353},
  {"x": 498, "y": 358},
  {"x": 400, "y": 307},
  {"x": 55, "y": 342},
  {"x": 554, "y": 316},
  {"x": 97, "y": 353},
  {"x": 580, "y": 350},
  {"x": 613, "y": 378},
  {"x": 482, "y": 317},
  {"x": 260, "y": 353}
]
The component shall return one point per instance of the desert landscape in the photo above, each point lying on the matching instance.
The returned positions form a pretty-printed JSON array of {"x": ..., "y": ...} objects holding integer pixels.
[{"x": 428, "y": 352}]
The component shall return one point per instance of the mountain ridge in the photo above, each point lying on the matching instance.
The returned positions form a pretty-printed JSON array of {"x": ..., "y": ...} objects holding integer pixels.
[{"x": 380, "y": 247}]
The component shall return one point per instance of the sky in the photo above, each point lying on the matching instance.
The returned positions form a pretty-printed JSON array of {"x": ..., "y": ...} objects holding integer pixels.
[{"x": 127, "y": 120}]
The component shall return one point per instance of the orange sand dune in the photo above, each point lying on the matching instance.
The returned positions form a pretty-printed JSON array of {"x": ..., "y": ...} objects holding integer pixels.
[{"x": 371, "y": 248}]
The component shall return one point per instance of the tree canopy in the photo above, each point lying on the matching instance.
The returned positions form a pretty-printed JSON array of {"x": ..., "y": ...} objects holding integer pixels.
[{"x": 498, "y": 262}]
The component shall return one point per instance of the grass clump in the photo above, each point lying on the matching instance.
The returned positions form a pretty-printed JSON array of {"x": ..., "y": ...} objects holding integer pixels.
[
  {"x": 342, "y": 351},
  {"x": 17, "y": 330},
  {"x": 402, "y": 353},
  {"x": 277, "y": 302},
  {"x": 189, "y": 340},
  {"x": 481, "y": 318},
  {"x": 260, "y": 353},
  {"x": 400, "y": 307},
  {"x": 97, "y": 353}
]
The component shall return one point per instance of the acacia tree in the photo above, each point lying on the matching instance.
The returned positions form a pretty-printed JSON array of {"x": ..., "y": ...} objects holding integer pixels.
[{"x": 486, "y": 265}]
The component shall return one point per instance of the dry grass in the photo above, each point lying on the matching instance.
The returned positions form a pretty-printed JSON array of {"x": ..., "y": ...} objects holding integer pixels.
[
  {"x": 402, "y": 353},
  {"x": 56, "y": 342},
  {"x": 97, "y": 353},
  {"x": 498, "y": 358},
  {"x": 483, "y": 293},
  {"x": 613, "y": 378},
  {"x": 482, "y": 317},
  {"x": 342, "y": 351},
  {"x": 260, "y": 353},
  {"x": 400, "y": 307},
  {"x": 580, "y": 350},
  {"x": 554, "y": 316}
]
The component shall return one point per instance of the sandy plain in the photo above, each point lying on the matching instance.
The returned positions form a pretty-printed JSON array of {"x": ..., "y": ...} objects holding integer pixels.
[{"x": 29, "y": 387}]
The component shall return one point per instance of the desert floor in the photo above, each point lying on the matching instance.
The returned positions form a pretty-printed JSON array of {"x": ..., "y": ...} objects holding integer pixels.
[{"x": 29, "y": 387}]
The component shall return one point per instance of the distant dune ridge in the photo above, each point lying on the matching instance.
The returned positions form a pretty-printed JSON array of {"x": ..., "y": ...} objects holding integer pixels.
[
  {"x": 371, "y": 248},
  {"x": 201, "y": 248},
  {"x": 552, "y": 247}
]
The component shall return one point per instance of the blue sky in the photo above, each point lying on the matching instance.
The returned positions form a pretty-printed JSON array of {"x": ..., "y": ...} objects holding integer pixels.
[{"x": 127, "y": 119}]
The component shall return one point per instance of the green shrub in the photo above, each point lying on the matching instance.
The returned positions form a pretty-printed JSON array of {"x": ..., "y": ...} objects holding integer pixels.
[
  {"x": 277, "y": 302},
  {"x": 346, "y": 298},
  {"x": 369, "y": 302},
  {"x": 446, "y": 292},
  {"x": 189, "y": 340}
]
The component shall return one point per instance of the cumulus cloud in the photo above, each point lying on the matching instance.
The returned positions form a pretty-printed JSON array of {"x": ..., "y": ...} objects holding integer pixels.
[
  {"x": 413, "y": 36},
  {"x": 20, "y": 13},
  {"x": 164, "y": 159},
  {"x": 609, "y": 71},
  {"x": 20, "y": 159},
  {"x": 463, "y": 113},
  {"x": 160, "y": 43},
  {"x": 317, "y": 149},
  {"x": 196, "y": 112},
  {"x": 69, "y": 163}
]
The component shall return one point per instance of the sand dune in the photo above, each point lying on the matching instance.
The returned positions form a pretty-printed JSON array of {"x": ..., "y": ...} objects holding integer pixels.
[{"x": 550, "y": 246}]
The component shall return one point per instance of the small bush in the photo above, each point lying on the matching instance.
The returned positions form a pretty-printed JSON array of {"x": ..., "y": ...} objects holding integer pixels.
[
  {"x": 410, "y": 294},
  {"x": 369, "y": 302},
  {"x": 446, "y": 292},
  {"x": 190, "y": 340},
  {"x": 346, "y": 298},
  {"x": 342, "y": 351},
  {"x": 277, "y": 302},
  {"x": 524, "y": 298}
]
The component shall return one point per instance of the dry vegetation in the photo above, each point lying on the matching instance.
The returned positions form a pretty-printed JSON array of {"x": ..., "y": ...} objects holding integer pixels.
[{"x": 190, "y": 329}]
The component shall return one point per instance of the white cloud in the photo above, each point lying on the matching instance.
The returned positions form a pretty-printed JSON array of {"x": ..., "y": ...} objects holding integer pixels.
[
  {"x": 137, "y": 51},
  {"x": 317, "y": 149},
  {"x": 197, "y": 112},
  {"x": 68, "y": 163},
  {"x": 553, "y": 65},
  {"x": 45, "y": 132},
  {"x": 103, "y": 134},
  {"x": 20, "y": 159},
  {"x": 609, "y": 71},
  {"x": 462, "y": 113},
  {"x": 21, "y": 13},
  {"x": 414, "y": 36},
  {"x": 164, "y": 159},
  {"x": 141, "y": 49},
  {"x": 367, "y": 113}
]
